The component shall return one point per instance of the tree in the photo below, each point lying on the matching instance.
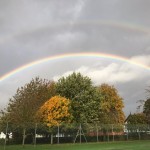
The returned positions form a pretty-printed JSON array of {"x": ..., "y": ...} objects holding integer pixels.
[
  {"x": 55, "y": 111},
  {"x": 73, "y": 85},
  {"x": 146, "y": 110},
  {"x": 84, "y": 97},
  {"x": 137, "y": 123},
  {"x": 24, "y": 104},
  {"x": 111, "y": 105},
  {"x": 136, "y": 119}
]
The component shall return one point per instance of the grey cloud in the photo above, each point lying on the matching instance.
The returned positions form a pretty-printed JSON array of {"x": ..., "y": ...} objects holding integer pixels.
[
  {"x": 135, "y": 11},
  {"x": 31, "y": 30}
]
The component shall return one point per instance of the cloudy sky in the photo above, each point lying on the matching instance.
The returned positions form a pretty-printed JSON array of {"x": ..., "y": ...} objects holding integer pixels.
[{"x": 31, "y": 30}]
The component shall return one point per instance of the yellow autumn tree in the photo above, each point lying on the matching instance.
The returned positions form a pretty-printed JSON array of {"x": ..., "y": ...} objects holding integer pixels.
[
  {"x": 111, "y": 105},
  {"x": 55, "y": 111}
]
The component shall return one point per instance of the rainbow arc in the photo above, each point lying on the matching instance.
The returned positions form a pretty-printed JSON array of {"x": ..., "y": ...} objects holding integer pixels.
[{"x": 71, "y": 55}]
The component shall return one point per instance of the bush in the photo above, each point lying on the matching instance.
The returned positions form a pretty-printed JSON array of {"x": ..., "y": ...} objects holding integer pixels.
[{"x": 2, "y": 141}]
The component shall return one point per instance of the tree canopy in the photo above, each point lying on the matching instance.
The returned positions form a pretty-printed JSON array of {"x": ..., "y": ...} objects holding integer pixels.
[
  {"x": 146, "y": 109},
  {"x": 137, "y": 118},
  {"x": 24, "y": 104},
  {"x": 55, "y": 111},
  {"x": 111, "y": 105},
  {"x": 83, "y": 95}
]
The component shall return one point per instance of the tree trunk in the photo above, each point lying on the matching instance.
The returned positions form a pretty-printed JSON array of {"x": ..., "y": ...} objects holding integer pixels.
[
  {"x": 24, "y": 136},
  {"x": 51, "y": 138}
]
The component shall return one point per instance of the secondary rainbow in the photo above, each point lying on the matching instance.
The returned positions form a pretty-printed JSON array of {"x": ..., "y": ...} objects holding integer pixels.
[
  {"x": 120, "y": 25},
  {"x": 72, "y": 55}
]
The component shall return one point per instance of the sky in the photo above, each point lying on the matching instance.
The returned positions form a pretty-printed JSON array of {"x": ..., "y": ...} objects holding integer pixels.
[{"x": 31, "y": 30}]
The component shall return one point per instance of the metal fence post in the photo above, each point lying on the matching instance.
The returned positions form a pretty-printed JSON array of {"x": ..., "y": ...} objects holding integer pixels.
[
  {"x": 113, "y": 132},
  {"x": 97, "y": 132},
  {"x": 58, "y": 135},
  {"x": 35, "y": 134}
]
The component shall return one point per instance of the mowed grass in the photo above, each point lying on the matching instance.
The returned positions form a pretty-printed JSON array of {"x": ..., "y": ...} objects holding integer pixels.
[{"x": 132, "y": 145}]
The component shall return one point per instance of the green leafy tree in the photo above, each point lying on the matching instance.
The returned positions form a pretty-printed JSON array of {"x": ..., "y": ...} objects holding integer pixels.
[
  {"x": 136, "y": 119},
  {"x": 84, "y": 97},
  {"x": 146, "y": 109},
  {"x": 24, "y": 104},
  {"x": 111, "y": 105},
  {"x": 137, "y": 122}
]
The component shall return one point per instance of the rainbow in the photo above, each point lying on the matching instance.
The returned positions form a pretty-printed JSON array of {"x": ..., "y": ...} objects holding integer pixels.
[
  {"x": 72, "y": 55},
  {"x": 120, "y": 25}
]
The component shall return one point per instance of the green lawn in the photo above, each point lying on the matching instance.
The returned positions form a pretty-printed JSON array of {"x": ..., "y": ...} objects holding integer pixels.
[{"x": 133, "y": 145}]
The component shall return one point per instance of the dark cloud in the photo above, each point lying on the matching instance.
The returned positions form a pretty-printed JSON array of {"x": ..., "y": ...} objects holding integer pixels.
[{"x": 31, "y": 30}]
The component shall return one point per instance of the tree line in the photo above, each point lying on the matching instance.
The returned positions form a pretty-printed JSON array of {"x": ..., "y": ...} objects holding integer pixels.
[{"x": 72, "y": 99}]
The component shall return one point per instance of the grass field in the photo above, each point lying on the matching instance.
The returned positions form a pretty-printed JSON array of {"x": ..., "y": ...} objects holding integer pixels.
[{"x": 132, "y": 145}]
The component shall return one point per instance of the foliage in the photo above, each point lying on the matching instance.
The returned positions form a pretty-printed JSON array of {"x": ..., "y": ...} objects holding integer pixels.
[
  {"x": 111, "y": 105},
  {"x": 84, "y": 97},
  {"x": 55, "y": 111},
  {"x": 146, "y": 110},
  {"x": 73, "y": 85},
  {"x": 138, "y": 118},
  {"x": 24, "y": 104}
]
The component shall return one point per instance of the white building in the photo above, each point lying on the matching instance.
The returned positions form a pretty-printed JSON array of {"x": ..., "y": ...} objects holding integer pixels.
[{"x": 2, "y": 135}]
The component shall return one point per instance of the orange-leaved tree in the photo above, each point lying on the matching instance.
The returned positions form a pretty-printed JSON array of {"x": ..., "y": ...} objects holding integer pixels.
[
  {"x": 111, "y": 105},
  {"x": 55, "y": 111}
]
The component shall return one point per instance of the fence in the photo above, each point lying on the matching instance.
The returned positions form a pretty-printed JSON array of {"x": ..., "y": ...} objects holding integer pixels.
[{"x": 75, "y": 133}]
